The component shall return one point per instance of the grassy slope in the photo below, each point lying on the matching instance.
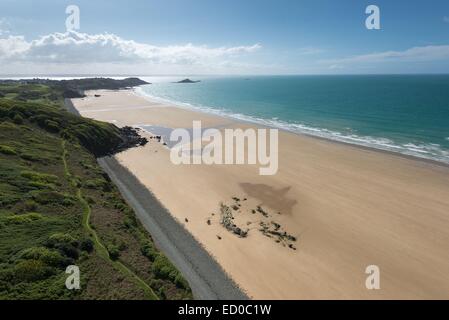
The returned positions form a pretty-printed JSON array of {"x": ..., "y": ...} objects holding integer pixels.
[{"x": 58, "y": 208}]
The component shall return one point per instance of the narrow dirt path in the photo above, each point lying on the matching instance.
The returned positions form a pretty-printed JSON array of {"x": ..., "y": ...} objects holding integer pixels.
[{"x": 100, "y": 247}]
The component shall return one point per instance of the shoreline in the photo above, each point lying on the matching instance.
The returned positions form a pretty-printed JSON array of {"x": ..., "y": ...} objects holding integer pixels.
[
  {"x": 172, "y": 104},
  {"x": 345, "y": 204}
]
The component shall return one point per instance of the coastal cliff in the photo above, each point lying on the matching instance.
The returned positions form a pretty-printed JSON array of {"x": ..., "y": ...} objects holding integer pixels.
[{"x": 58, "y": 207}]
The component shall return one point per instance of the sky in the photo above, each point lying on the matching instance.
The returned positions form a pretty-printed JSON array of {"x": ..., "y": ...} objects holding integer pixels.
[{"x": 179, "y": 37}]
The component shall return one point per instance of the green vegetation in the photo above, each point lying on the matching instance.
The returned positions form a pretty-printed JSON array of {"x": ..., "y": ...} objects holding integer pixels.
[
  {"x": 44, "y": 90},
  {"x": 7, "y": 150},
  {"x": 58, "y": 208},
  {"x": 23, "y": 218},
  {"x": 97, "y": 137}
]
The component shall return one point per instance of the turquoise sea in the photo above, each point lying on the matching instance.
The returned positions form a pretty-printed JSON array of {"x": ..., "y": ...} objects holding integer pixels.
[{"x": 402, "y": 113}]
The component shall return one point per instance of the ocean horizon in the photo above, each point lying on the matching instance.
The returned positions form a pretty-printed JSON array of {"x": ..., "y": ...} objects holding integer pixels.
[{"x": 407, "y": 114}]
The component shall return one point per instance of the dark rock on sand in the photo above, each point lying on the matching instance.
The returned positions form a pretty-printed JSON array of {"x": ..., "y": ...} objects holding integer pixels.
[
  {"x": 131, "y": 138},
  {"x": 226, "y": 221}
]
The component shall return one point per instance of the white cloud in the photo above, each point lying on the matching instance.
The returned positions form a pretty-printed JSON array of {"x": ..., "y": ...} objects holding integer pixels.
[
  {"x": 415, "y": 54},
  {"x": 78, "y": 48},
  {"x": 12, "y": 46}
]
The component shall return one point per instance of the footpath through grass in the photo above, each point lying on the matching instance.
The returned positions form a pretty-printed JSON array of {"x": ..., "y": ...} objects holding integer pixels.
[{"x": 101, "y": 249}]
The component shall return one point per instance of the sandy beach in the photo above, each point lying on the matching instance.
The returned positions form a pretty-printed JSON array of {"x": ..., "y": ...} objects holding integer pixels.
[{"x": 348, "y": 207}]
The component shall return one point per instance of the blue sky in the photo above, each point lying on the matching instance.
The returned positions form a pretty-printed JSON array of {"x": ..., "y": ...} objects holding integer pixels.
[{"x": 225, "y": 37}]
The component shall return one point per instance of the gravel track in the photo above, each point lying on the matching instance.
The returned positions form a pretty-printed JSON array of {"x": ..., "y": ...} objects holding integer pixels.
[{"x": 205, "y": 276}]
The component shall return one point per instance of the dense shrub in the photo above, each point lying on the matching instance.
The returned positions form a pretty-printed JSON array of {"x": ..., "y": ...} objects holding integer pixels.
[
  {"x": 53, "y": 97},
  {"x": 164, "y": 269},
  {"x": 51, "y": 126},
  {"x": 60, "y": 238},
  {"x": 130, "y": 222},
  {"x": 41, "y": 185},
  {"x": 7, "y": 150},
  {"x": 30, "y": 157},
  {"x": 30, "y": 205},
  {"x": 17, "y": 119},
  {"x": 69, "y": 250},
  {"x": 149, "y": 251},
  {"x": 99, "y": 184},
  {"x": 32, "y": 270},
  {"x": 114, "y": 252},
  {"x": 65, "y": 244},
  {"x": 49, "y": 257},
  {"x": 24, "y": 218},
  {"x": 29, "y": 95},
  {"x": 180, "y": 282},
  {"x": 8, "y": 197},
  {"x": 39, "y": 177},
  {"x": 52, "y": 197},
  {"x": 87, "y": 245}
]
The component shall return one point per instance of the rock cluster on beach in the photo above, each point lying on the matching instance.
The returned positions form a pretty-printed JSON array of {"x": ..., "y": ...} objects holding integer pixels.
[
  {"x": 158, "y": 139},
  {"x": 227, "y": 220},
  {"x": 273, "y": 230},
  {"x": 266, "y": 225},
  {"x": 131, "y": 138}
]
